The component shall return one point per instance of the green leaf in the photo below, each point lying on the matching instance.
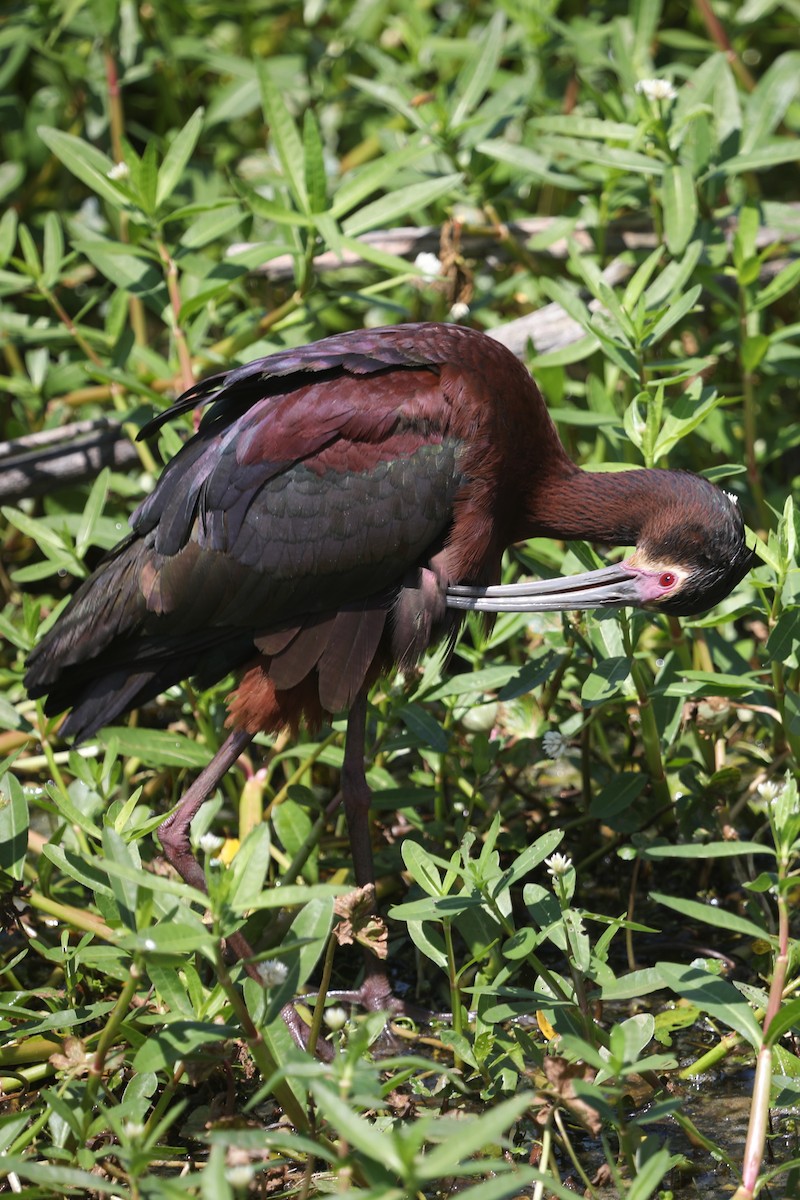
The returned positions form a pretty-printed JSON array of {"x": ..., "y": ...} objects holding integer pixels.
[
  {"x": 753, "y": 350},
  {"x": 788, "y": 1017},
  {"x": 785, "y": 281},
  {"x": 374, "y": 176},
  {"x": 8, "y": 234},
  {"x": 676, "y": 312},
  {"x": 474, "y": 1134},
  {"x": 285, "y": 138},
  {"x": 710, "y": 915},
  {"x": 775, "y": 154},
  {"x": 421, "y": 867},
  {"x": 53, "y": 250},
  {"x": 425, "y": 728},
  {"x": 249, "y": 868},
  {"x": 180, "y": 151},
  {"x": 769, "y": 101},
  {"x": 705, "y": 850},
  {"x": 90, "y": 165},
  {"x": 179, "y": 1040},
  {"x": 156, "y": 747},
  {"x": 680, "y": 207},
  {"x": 13, "y": 826},
  {"x": 472, "y": 683},
  {"x": 474, "y": 79},
  {"x": 401, "y": 203},
  {"x": 366, "y": 1136},
  {"x": 315, "y": 177},
  {"x": 92, "y": 512},
  {"x": 530, "y": 162},
  {"x": 714, "y": 996},
  {"x": 579, "y": 126},
  {"x": 608, "y": 678}
]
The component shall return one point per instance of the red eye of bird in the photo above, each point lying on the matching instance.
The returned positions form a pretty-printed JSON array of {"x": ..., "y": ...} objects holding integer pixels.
[{"x": 667, "y": 579}]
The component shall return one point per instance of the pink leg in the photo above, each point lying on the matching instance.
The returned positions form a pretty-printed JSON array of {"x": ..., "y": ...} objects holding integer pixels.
[
  {"x": 375, "y": 992},
  {"x": 174, "y": 837}
]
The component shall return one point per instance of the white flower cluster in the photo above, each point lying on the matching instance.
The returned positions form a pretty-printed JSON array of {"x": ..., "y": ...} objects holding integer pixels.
[{"x": 656, "y": 89}]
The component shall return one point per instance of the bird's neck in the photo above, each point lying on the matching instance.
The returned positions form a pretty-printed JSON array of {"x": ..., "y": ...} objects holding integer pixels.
[{"x": 599, "y": 506}]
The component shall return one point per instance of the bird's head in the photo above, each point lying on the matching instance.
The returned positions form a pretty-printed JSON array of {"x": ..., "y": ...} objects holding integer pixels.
[
  {"x": 689, "y": 558},
  {"x": 690, "y": 553}
]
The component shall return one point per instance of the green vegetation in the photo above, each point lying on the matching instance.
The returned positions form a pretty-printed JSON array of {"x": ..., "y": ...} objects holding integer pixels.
[{"x": 189, "y": 186}]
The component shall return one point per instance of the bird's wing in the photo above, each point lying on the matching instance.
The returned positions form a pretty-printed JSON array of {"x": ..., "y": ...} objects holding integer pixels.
[
  {"x": 307, "y": 501},
  {"x": 312, "y": 503},
  {"x": 357, "y": 352}
]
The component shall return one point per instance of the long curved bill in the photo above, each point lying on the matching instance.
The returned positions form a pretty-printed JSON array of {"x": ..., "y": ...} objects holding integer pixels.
[{"x": 608, "y": 587}]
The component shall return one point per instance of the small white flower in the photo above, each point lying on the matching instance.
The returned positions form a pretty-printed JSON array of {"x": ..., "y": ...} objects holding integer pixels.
[
  {"x": 656, "y": 89},
  {"x": 558, "y": 864},
  {"x": 211, "y": 844},
  {"x": 428, "y": 264},
  {"x": 336, "y": 1017},
  {"x": 119, "y": 171},
  {"x": 273, "y": 972},
  {"x": 149, "y": 944},
  {"x": 133, "y": 1129},
  {"x": 459, "y": 311},
  {"x": 554, "y": 744},
  {"x": 770, "y": 791}
]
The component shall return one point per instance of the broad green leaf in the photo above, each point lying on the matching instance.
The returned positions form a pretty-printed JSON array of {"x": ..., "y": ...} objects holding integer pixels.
[
  {"x": 401, "y": 203},
  {"x": 530, "y": 162},
  {"x": 177, "y": 156},
  {"x": 473, "y": 682},
  {"x": 8, "y": 234},
  {"x": 768, "y": 103},
  {"x": 761, "y": 158},
  {"x": 474, "y": 1134},
  {"x": 680, "y": 207},
  {"x": 249, "y": 867},
  {"x": 425, "y": 728},
  {"x": 787, "y": 1017},
  {"x": 315, "y": 177},
  {"x": 365, "y": 1135},
  {"x": 578, "y": 126},
  {"x": 710, "y": 915},
  {"x": 180, "y": 1040},
  {"x": 285, "y": 138},
  {"x": 607, "y": 679},
  {"x": 156, "y": 747},
  {"x": 706, "y": 850},
  {"x": 212, "y": 225},
  {"x": 13, "y": 826},
  {"x": 785, "y": 281},
  {"x": 688, "y": 411},
  {"x": 124, "y": 883},
  {"x": 92, "y": 512},
  {"x": 173, "y": 937},
  {"x": 428, "y": 941},
  {"x": 53, "y": 253},
  {"x": 87, "y": 163},
  {"x": 676, "y": 312},
  {"x": 474, "y": 79},
  {"x": 641, "y": 278},
  {"x": 375, "y": 176},
  {"x": 714, "y": 996},
  {"x": 421, "y": 867}
]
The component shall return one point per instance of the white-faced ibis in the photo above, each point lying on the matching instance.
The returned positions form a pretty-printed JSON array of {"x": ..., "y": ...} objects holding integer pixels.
[{"x": 338, "y": 507}]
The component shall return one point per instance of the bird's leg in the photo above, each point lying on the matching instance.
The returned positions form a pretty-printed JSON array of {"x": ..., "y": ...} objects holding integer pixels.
[
  {"x": 174, "y": 832},
  {"x": 375, "y": 992},
  {"x": 174, "y": 837}
]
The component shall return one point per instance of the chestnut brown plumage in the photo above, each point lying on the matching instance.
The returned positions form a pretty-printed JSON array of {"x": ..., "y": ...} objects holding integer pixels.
[{"x": 339, "y": 506}]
